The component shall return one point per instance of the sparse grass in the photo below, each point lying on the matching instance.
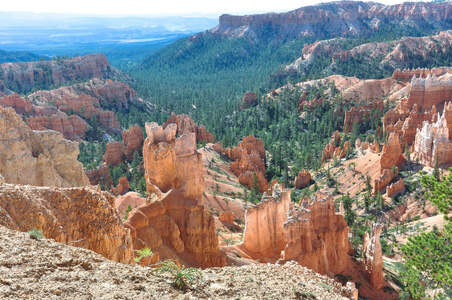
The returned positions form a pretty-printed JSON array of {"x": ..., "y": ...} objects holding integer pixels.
[{"x": 36, "y": 234}]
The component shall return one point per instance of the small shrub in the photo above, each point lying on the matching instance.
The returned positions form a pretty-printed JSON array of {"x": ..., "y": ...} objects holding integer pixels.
[
  {"x": 145, "y": 252},
  {"x": 181, "y": 275},
  {"x": 36, "y": 234}
]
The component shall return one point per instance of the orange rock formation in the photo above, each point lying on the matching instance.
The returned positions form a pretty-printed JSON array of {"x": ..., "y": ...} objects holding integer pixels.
[
  {"x": 185, "y": 124},
  {"x": 392, "y": 153},
  {"x": 174, "y": 224},
  {"x": 359, "y": 113},
  {"x": 133, "y": 141},
  {"x": 131, "y": 198},
  {"x": 249, "y": 157},
  {"x": 312, "y": 235},
  {"x": 226, "y": 216},
  {"x": 82, "y": 217},
  {"x": 114, "y": 153},
  {"x": 372, "y": 254},
  {"x": 123, "y": 186},
  {"x": 432, "y": 142},
  {"x": 395, "y": 188},
  {"x": 333, "y": 148},
  {"x": 302, "y": 179}
]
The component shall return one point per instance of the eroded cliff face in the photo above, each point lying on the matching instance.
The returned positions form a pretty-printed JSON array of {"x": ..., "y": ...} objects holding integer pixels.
[
  {"x": 345, "y": 18},
  {"x": 417, "y": 119},
  {"x": 27, "y": 75},
  {"x": 373, "y": 258},
  {"x": 312, "y": 235},
  {"x": 249, "y": 157},
  {"x": 82, "y": 217},
  {"x": 174, "y": 223},
  {"x": 432, "y": 142},
  {"x": 39, "y": 158}
]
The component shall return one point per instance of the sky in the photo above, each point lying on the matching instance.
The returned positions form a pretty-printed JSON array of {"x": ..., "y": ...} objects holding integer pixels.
[{"x": 211, "y": 8}]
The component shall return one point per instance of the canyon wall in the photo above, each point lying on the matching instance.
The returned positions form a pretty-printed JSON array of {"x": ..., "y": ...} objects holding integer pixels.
[{"x": 346, "y": 18}]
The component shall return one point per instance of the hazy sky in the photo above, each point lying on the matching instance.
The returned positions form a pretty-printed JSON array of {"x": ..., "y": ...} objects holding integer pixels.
[{"x": 157, "y": 7}]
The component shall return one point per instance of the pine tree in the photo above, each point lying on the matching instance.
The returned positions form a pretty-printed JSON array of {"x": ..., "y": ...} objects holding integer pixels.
[{"x": 255, "y": 195}]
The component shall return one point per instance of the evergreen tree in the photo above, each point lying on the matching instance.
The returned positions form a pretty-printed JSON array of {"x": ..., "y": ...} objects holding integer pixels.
[
  {"x": 255, "y": 194},
  {"x": 429, "y": 255}
]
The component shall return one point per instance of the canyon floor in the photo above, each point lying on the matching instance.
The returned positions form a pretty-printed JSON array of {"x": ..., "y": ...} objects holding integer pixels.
[{"x": 45, "y": 269}]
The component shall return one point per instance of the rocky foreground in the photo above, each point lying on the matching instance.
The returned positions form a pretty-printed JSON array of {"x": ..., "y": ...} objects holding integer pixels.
[{"x": 47, "y": 269}]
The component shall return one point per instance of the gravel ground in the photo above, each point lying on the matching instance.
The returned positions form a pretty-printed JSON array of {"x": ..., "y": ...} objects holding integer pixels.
[{"x": 45, "y": 269}]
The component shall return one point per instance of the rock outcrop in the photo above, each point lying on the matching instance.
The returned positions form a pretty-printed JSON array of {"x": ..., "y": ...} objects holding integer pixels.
[
  {"x": 312, "y": 235},
  {"x": 123, "y": 186},
  {"x": 185, "y": 124},
  {"x": 39, "y": 158},
  {"x": 392, "y": 153},
  {"x": 82, "y": 217},
  {"x": 133, "y": 141},
  {"x": 432, "y": 142},
  {"x": 174, "y": 224},
  {"x": 302, "y": 179},
  {"x": 249, "y": 99},
  {"x": 100, "y": 176},
  {"x": 390, "y": 161},
  {"x": 373, "y": 258},
  {"x": 334, "y": 148},
  {"x": 131, "y": 198},
  {"x": 395, "y": 188},
  {"x": 360, "y": 113},
  {"x": 226, "y": 216},
  {"x": 249, "y": 158},
  {"x": 172, "y": 162},
  {"x": 114, "y": 154}
]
